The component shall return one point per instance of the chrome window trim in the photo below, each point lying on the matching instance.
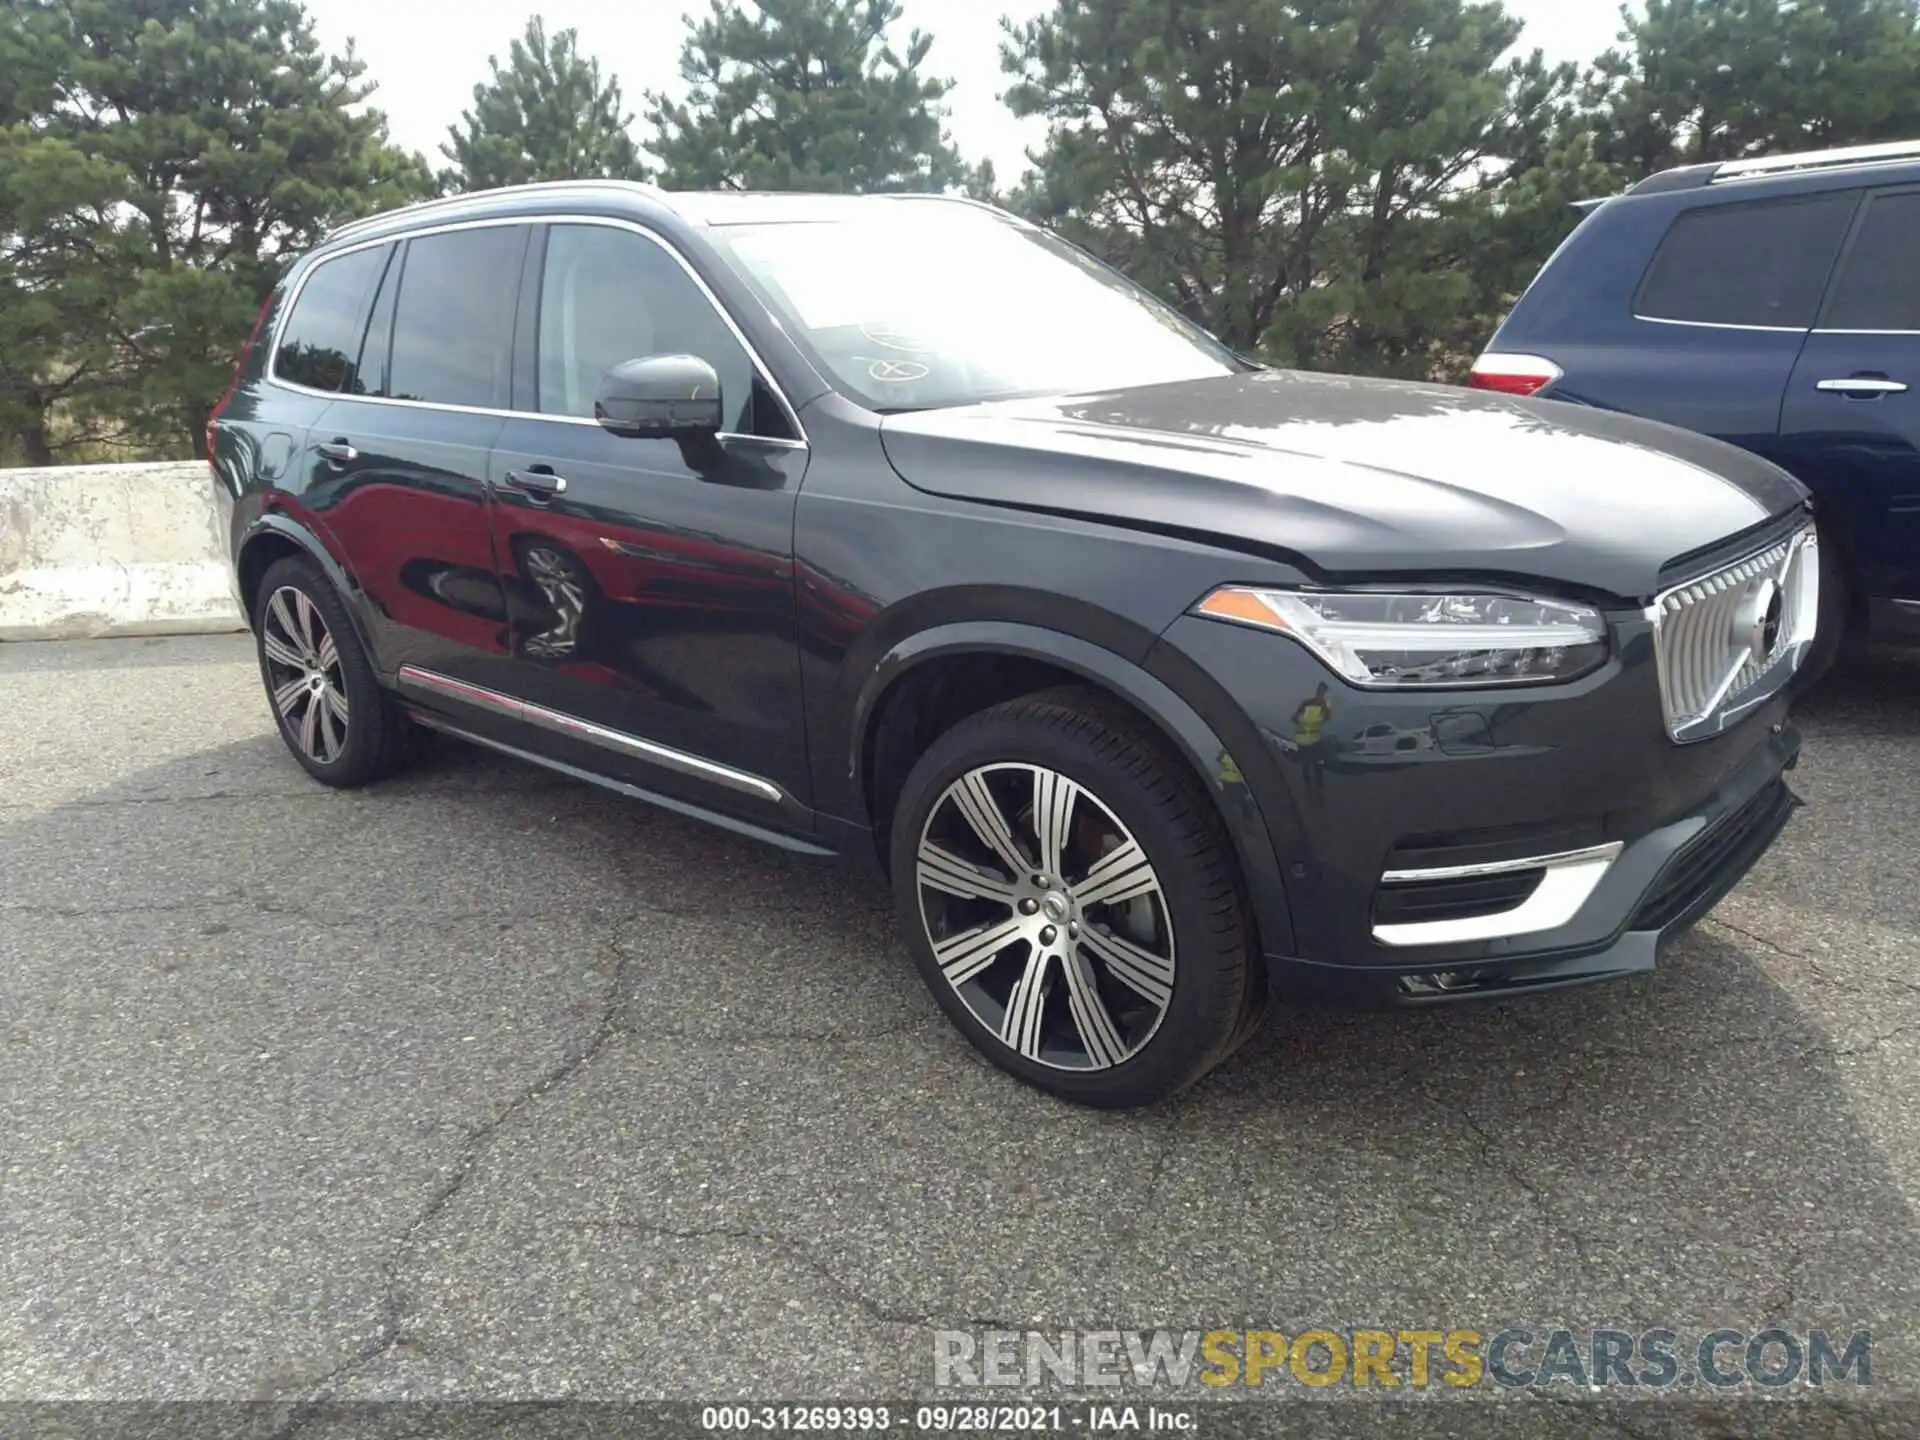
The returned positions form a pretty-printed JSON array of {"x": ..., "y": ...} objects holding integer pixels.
[
  {"x": 1820, "y": 331},
  {"x": 1569, "y": 881},
  {"x": 1723, "y": 325},
  {"x": 575, "y": 728},
  {"x": 610, "y": 222}
]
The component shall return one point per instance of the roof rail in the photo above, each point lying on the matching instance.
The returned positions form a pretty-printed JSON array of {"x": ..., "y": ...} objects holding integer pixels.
[
  {"x": 1816, "y": 160},
  {"x": 449, "y": 202}
]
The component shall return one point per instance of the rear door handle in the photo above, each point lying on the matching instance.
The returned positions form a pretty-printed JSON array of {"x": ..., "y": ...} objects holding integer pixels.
[
  {"x": 539, "y": 482},
  {"x": 339, "y": 452},
  {"x": 1866, "y": 386}
]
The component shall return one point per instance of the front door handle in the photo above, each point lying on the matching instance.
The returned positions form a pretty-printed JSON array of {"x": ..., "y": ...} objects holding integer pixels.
[
  {"x": 538, "y": 483},
  {"x": 1863, "y": 387},
  {"x": 338, "y": 452}
]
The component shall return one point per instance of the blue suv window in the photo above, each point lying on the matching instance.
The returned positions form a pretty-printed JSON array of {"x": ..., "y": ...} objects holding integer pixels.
[
  {"x": 1879, "y": 286},
  {"x": 1757, "y": 265}
]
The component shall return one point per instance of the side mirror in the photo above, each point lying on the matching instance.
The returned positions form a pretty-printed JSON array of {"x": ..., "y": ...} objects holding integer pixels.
[{"x": 663, "y": 397}]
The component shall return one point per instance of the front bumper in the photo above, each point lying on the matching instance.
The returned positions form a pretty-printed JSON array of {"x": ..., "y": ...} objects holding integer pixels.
[
  {"x": 1654, "y": 891},
  {"x": 1466, "y": 783}
]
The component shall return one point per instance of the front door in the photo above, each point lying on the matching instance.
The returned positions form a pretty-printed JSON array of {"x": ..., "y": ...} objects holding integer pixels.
[
  {"x": 650, "y": 591},
  {"x": 398, "y": 462},
  {"x": 1850, "y": 427}
]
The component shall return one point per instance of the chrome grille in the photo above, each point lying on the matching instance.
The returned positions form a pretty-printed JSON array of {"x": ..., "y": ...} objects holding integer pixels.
[{"x": 1730, "y": 640}]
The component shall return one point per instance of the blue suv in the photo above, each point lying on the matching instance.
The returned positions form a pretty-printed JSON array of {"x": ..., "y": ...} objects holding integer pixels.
[{"x": 1773, "y": 303}]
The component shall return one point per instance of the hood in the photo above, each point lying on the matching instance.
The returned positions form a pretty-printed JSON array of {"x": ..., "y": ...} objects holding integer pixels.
[{"x": 1351, "y": 476}]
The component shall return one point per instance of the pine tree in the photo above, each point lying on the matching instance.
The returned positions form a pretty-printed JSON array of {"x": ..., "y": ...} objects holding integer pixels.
[
  {"x": 165, "y": 159},
  {"x": 1700, "y": 80},
  {"x": 1307, "y": 179},
  {"x": 545, "y": 115},
  {"x": 804, "y": 95}
]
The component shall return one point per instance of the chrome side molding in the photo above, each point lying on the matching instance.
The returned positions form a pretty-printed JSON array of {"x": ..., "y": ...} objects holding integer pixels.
[
  {"x": 446, "y": 687},
  {"x": 1571, "y": 877}
]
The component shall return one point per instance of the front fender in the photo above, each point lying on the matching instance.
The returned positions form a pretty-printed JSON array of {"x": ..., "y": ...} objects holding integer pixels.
[{"x": 1179, "y": 723}]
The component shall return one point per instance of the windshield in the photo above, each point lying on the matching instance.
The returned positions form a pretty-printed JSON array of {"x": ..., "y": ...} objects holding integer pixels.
[{"x": 913, "y": 305}]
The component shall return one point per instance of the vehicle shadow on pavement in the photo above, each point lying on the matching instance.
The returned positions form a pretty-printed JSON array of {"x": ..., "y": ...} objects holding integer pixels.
[{"x": 484, "y": 1085}]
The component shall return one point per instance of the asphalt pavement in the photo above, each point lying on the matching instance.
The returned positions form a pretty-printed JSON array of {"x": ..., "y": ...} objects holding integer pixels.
[{"x": 485, "y": 1084}]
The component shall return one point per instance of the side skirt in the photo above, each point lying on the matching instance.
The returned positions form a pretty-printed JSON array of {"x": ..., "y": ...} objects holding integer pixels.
[{"x": 633, "y": 792}]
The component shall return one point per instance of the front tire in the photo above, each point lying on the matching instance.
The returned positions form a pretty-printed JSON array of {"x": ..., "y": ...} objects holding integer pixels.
[
  {"x": 331, "y": 711},
  {"x": 1072, "y": 902}
]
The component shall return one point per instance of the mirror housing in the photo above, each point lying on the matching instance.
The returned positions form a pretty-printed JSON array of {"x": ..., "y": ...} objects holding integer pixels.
[{"x": 661, "y": 397}]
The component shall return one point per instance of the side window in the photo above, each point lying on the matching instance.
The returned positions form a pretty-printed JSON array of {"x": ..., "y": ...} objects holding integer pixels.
[
  {"x": 320, "y": 343},
  {"x": 609, "y": 295},
  {"x": 453, "y": 319},
  {"x": 1762, "y": 264},
  {"x": 1879, "y": 287}
]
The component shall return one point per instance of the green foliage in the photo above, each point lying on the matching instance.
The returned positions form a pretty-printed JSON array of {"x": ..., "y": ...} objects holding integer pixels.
[
  {"x": 1702, "y": 80},
  {"x": 166, "y": 158},
  {"x": 804, "y": 95},
  {"x": 544, "y": 115},
  {"x": 1301, "y": 178},
  {"x": 1348, "y": 184}
]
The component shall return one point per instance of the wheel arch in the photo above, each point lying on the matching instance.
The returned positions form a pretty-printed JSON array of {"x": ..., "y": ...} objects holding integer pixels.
[
  {"x": 275, "y": 536},
  {"x": 1168, "y": 713}
]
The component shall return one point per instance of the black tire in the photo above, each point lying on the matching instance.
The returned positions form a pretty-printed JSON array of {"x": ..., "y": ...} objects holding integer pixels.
[
  {"x": 378, "y": 738},
  {"x": 1217, "y": 995}
]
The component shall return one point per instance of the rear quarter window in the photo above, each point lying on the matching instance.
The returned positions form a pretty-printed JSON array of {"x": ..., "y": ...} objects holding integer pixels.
[
  {"x": 1753, "y": 264},
  {"x": 320, "y": 344}
]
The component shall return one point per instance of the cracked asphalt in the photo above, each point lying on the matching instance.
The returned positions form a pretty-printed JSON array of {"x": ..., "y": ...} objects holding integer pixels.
[{"x": 483, "y": 1084}]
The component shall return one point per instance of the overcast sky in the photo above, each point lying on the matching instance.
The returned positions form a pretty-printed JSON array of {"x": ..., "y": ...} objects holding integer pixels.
[{"x": 426, "y": 67}]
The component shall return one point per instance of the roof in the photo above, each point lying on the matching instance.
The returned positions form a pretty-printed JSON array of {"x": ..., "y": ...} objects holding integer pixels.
[{"x": 714, "y": 207}]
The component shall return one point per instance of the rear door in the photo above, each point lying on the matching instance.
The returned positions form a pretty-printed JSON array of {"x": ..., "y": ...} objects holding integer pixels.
[
  {"x": 1720, "y": 316},
  {"x": 651, "y": 589},
  {"x": 1850, "y": 428},
  {"x": 397, "y": 464}
]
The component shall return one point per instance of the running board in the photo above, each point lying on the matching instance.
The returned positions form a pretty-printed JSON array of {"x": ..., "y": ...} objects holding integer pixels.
[{"x": 620, "y": 787}]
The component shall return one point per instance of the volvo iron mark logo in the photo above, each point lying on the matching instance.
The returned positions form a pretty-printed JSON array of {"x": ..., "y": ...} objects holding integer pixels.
[{"x": 1756, "y": 625}]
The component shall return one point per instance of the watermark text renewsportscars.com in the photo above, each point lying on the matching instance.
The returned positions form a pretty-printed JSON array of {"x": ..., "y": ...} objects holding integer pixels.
[{"x": 1518, "y": 1357}]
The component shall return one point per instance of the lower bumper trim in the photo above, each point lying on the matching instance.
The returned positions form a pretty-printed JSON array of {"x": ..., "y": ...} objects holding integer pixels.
[{"x": 1566, "y": 882}]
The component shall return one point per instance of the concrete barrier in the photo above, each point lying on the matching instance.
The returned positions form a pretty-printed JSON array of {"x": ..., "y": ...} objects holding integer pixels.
[{"x": 91, "y": 550}]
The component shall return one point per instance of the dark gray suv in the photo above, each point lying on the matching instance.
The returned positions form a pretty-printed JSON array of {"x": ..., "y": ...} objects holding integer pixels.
[{"x": 896, "y": 528}]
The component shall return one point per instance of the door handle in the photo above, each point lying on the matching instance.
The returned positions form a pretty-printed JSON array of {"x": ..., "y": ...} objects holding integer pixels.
[
  {"x": 540, "y": 482},
  {"x": 1863, "y": 386},
  {"x": 339, "y": 452}
]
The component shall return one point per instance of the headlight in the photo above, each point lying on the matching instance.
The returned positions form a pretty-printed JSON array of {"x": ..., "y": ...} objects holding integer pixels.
[{"x": 1387, "y": 641}]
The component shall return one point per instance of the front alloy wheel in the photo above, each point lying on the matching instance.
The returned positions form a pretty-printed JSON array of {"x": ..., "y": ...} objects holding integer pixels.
[
  {"x": 1072, "y": 900},
  {"x": 1058, "y": 942}
]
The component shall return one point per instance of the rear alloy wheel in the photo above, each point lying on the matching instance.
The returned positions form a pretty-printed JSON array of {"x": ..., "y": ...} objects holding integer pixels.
[
  {"x": 1072, "y": 902},
  {"x": 331, "y": 711},
  {"x": 302, "y": 663}
]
